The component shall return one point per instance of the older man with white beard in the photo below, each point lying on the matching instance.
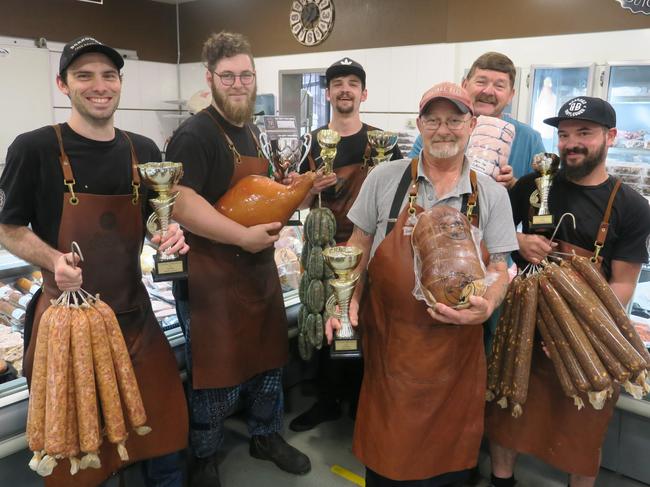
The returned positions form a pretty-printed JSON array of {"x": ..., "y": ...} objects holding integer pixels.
[
  {"x": 231, "y": 306},
  {"x": 420, "y": 416}
]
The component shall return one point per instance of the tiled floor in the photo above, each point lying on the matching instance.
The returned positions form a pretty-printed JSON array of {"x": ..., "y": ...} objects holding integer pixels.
[{"x": 327, "y": 445}]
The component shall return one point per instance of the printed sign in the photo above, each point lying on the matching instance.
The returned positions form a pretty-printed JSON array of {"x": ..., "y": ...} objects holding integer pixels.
[{"x": 636, "y": 6}]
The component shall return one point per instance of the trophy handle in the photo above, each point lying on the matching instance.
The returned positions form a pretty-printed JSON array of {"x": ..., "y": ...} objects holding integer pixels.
[
  {"x": 330, "y": 307},
  {"x": 265, "y": 145},
  {"x": 306, "y": 146}
]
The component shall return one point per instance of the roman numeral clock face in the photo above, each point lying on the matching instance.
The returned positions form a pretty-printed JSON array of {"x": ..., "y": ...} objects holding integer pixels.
[{"x": 311, "y": 21}]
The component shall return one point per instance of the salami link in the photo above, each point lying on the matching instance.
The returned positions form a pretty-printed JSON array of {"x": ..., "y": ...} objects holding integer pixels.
[
  {"x": 37, "y": 391},
  {"x": 511, "y": 347},
  {"x": 601, "y": 287},
  {"x": 587, "y": 305},
  {"x": 500, "y": 337},
  {"x": 71, "y": 427},
  {"x": 58, "y": 350},
  {"x": 573, "y": 367},
  {"x": 560, "y": 369},
  {"x": 525, "y": 343},
  {"x": 106, "y": 381},
  {"x": 618, "y": 372},
  {"x": 126, "y": 379},
  {"x": 84, "y": 380},
  {"x": 591, "y": 364}
]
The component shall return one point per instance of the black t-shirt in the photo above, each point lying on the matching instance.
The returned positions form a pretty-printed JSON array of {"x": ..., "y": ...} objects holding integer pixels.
[
  {"x": 208, "y": 163},
  {"x": 32, "y": 182},
  {"x": 629, "y": 224},
  {"x": 349, "y": 150}
]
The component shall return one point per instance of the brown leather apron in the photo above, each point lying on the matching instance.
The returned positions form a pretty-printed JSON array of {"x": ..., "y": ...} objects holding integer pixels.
[
  {"x": 109, "y": 230},
  {"x": 552, "y": 428},
  {"x": 238, "y": 322},
  {"x": 340, "y": 199},
  {"x": 421, "y": 406}
]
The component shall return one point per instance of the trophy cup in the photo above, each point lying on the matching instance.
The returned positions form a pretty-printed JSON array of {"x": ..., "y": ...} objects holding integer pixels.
[
  {"x": 161, "y": 177},
  {"x": 328, "y": 139},
  {"x": 343, "y": 261},
  {"x": 287, "y": 153},
  {"x": 546, "y": 164},
  {"x": 383, "y": 142}
]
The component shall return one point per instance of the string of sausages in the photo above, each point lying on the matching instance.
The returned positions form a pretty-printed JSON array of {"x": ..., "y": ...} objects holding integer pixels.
[
  {"x": 585, "y": 331},
  {"x": 82, "y": 379}
]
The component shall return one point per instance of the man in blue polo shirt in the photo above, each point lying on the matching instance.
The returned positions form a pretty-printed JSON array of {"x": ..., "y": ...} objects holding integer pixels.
[{"x": 491, "y": 85}]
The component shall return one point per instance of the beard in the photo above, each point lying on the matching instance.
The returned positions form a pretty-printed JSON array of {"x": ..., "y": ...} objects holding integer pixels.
[
  {"x": 586, "y": 167},
  {"x": 237, "y": 113},
  {"x": 444, "y": 149}
]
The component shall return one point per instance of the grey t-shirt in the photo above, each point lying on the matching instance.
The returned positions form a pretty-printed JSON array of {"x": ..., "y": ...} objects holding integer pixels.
[{"x": 371, "y": 209}]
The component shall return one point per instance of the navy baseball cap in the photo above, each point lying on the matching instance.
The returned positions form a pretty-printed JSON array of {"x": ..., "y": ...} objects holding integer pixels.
[
  {"x": 83, "y": 45},
  {"x": 344, "y": 67},
  {"x": 587, "y": 108}
]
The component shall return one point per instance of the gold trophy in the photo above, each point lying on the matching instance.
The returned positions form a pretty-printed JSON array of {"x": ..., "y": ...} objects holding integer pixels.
[
  {"x": 383, "y": 142},
  {"x": 328, "y": 139},
  {"x": 546, "y": 164},
  {"x": 161, "y": 177},
  {"x": 343, "y": 261}
]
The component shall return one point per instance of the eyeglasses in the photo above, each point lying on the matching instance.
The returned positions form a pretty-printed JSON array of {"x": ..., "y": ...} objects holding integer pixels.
[
  {"x": 451, "y": 123},
  {"x": 228, "y": 78}
]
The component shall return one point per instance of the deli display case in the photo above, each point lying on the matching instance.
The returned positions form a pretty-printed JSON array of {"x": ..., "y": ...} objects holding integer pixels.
[{"x": 550, "y": 88}]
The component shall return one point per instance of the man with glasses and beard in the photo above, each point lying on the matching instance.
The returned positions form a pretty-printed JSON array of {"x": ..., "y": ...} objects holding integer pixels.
[
  {"x": 346, "y": 90},
  {"x": 551, "y": 428},
  {"x": 231, "y": 306}
]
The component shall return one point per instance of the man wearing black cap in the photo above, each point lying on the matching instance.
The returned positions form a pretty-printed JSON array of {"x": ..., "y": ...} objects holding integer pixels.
[
  {"x": 77, "y": 181},
  {"x": 551, "y": 428},
  {"x": 346, "y": 90}
]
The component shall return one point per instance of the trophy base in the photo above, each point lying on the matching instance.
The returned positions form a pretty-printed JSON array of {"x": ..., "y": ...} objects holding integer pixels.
[
  {"x": 169, "y": 270},
  {"x": 345, "y": 348},
  {"x": 542, "y": 224}
]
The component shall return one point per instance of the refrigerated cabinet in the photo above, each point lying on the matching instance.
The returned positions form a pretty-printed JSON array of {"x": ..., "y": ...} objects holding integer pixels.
[{"x": 550, "y": 88}]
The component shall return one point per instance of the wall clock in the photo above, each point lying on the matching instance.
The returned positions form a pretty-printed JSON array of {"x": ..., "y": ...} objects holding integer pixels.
[{"x": 311, "y": 21}]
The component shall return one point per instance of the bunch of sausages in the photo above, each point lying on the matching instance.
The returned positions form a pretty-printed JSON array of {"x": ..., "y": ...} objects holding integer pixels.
[
  {"x": 585, "y": 332},
  {"x": 81, "y": 367}
]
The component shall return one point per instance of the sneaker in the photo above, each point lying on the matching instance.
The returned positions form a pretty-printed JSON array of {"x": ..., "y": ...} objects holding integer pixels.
[
  {"x": 320, "y": 412},
  {"x": 204, "y": 472},
  {"x": 272, "y": 447}
]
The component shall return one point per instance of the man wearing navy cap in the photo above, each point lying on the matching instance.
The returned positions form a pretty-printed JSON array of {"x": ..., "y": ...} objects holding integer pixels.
[
  {"x": 551, "y": 427},
  {"x": 78, "y": 181},
  {"x": 346, "y": 90}
]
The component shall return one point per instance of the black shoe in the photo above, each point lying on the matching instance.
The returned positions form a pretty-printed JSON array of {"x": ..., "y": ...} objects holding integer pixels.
[
  {"x": 273, "y": 447},
  {"x": 204, "y": 472},
  {"x": 320, "y": 412}
]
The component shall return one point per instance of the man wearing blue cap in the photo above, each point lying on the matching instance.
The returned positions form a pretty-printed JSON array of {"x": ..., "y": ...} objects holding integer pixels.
[{"x": 617, "y": 219}]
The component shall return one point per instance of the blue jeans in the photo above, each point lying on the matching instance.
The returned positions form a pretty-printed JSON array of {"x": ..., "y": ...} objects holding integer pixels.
[
  {"x": 164, "y": 471},
  {"x": 261, "y": 395}
]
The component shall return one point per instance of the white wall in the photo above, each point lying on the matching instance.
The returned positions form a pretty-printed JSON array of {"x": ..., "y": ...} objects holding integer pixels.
[
  {"x": 397, "y": 76},
  {"x": 144, "y": 107}
]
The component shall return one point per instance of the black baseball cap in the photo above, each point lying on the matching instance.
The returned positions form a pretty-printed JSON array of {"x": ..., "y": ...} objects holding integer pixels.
[
  {"x": 344, "y": 67},
  {"x": 587, "y": 108},
  {"x": 83, "y": 45}
]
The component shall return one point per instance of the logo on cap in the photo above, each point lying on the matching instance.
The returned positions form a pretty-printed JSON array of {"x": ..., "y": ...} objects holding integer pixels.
[
  {"x": 576, "y": 107},
  {"x": 346, "y": 62}
]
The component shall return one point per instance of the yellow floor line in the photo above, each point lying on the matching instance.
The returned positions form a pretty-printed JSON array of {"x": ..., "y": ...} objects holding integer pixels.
[{"x": 347, "y": 475}]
